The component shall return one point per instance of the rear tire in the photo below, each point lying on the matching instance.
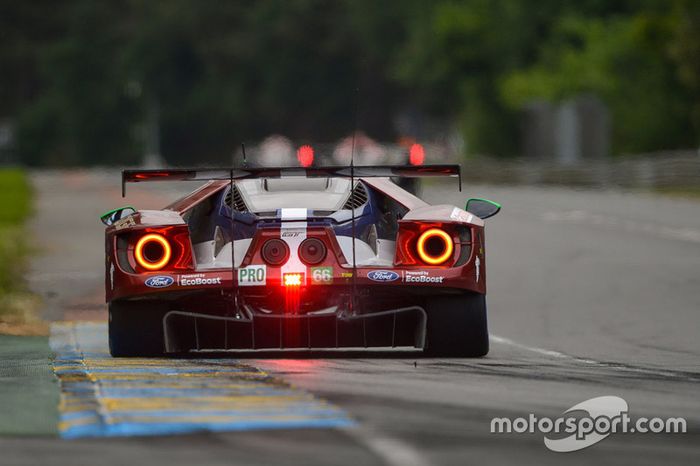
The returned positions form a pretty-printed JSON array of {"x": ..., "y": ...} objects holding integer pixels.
[
  {"x": 457, "y": 326},
  {"x": 136, "y": 328}
]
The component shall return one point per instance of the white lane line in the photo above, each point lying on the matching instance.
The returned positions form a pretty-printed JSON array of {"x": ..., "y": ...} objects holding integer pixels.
[
  {"x": 392, "y": 451},
  {"x": 67, "y": 275},
  {"x": 542, "y": 351},
  {"x": 590, "y": 362},
  {"x": 577, "y": 217}
]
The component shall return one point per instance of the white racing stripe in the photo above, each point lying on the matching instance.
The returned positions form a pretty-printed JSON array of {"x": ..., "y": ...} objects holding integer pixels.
[
  {"x": 294, "y": 214},
  {"x": 293, "y": 233},
  {"x": 590, "y": 362}
]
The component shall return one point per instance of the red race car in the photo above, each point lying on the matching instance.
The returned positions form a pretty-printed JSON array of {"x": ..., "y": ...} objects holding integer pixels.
[{"x": 297, "y": 259}]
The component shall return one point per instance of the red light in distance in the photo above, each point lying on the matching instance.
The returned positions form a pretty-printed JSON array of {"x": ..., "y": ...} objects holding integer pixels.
[
  {"x": 416, "y": 154},
  {"x": 305, "y": 155}
]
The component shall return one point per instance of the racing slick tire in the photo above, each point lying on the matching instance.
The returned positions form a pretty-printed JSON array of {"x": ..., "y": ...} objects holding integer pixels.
[
  {"x": 136, "y": 329},
  {"x": 457, "y": 326}
]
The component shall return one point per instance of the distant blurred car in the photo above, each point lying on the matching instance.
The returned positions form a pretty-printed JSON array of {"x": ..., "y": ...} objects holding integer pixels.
[
  {"x": 276, "y": 151},
  {"x": 361, "y": 148},
  {"x": 297, "y": 259}
]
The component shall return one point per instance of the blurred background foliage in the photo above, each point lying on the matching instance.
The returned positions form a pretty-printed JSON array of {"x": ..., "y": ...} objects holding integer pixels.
[
  {"x": 15, "y": 208},
  {"x": 81, "y": 80}
]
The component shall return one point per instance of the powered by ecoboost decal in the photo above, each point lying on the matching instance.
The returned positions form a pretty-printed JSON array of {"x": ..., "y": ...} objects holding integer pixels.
[
  {"x": 421, "y": 276},
  {"x": 198, "y": 279},
  {"x": 253, "y": 275}
]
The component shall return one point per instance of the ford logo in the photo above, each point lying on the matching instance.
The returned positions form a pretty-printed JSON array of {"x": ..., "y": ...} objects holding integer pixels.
[
  {"x": 383, "y": 276},
  {"x": 160, "y": 281}
]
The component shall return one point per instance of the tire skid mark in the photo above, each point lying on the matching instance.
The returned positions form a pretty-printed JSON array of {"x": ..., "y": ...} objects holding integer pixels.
[{"x": 104, "y": 396}]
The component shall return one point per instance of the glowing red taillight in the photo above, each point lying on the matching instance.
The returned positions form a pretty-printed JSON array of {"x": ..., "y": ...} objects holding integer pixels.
[
  {"x": 156, "y": 249},
  {"x": 153, "y": 251},
  {"x": 434, "y": 246}
]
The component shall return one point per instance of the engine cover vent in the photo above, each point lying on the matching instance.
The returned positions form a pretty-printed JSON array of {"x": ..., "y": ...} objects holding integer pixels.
[
  {"x": 357, "y": 198},
  {"x": 238, "y": 203}
]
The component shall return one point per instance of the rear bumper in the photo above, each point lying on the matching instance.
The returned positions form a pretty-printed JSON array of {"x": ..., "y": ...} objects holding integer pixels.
[
  {"x": 121, "y": 285},
  {"x": 186, "y": 332}
]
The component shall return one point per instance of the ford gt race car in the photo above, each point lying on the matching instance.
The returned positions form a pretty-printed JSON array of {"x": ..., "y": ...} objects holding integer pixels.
[{"x": 297, "y": 259}]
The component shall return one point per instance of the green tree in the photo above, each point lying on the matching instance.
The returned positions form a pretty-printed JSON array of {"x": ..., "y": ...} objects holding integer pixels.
[
  {"x": 80, "y": 114},
  {"x": 685, "y": 51},
  {"x": 83, "y": 81},
  {"x": 625, "y": 61}
]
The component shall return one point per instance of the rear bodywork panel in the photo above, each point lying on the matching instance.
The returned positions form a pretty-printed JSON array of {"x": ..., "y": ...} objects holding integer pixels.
[{"x": 220, "y": 293}]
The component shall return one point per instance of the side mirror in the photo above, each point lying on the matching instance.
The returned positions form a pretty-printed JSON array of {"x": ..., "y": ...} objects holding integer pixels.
[
  {"x": 482, "y": 208},
  {"x": 114, "y": 215}
]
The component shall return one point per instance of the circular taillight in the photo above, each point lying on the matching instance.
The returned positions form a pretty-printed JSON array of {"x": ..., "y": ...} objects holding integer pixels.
[
  {"x": 312, "y": 251},
  {"x": 153, "y": 251},
  {"x": 434, "y": 246},
  {"x": 275, "y": 252}
]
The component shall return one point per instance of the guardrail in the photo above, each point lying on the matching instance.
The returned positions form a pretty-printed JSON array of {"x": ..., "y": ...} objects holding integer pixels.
[{"x": 650, "y": 171}]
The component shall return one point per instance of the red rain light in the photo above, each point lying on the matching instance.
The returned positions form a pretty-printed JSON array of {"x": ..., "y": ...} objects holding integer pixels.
[
  {"x": 292, "y": 279},
  {"x": 416, "y": 154},
  {"x": 305, "y": 155},
  {"x": 292, "y": 296}
]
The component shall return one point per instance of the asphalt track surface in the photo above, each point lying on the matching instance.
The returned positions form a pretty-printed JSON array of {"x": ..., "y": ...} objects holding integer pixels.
[{"x": 590, "y": 294}]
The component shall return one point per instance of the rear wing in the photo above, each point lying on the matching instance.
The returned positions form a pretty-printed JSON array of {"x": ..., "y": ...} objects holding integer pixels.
[{"x": 207, "y": 174}]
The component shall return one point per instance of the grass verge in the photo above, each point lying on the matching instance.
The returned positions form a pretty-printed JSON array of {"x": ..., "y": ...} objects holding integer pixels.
[
  {"x": 18, "y": 307},
  {"x": 29, "y": 393}
]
